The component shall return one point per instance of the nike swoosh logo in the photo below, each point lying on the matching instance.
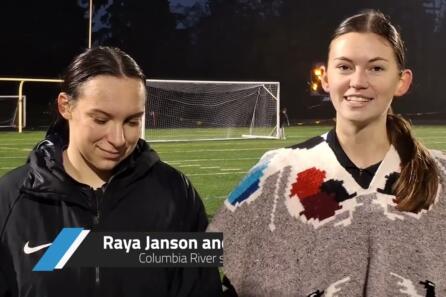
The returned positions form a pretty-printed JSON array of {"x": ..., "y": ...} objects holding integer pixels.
[{"x": 30, "y": 250}]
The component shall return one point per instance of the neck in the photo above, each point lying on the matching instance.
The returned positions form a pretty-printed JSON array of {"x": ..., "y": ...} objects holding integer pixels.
[
  {"x": 366, "y": 145},
  {"x": 78, "y": 168}
]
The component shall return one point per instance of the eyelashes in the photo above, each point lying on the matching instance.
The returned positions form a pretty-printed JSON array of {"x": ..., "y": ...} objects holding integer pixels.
[
  {"x": 344, "y": 68},
  {"x": 131, "y": 123}
]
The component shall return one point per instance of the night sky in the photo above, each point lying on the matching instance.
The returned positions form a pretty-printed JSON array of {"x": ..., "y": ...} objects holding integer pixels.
[{"x": 277, "y": 40}]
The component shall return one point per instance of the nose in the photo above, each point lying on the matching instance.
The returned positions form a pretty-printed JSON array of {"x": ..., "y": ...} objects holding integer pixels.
[
  {"x": 116, "y": 136},
  {"x": 359, "y": 80}
]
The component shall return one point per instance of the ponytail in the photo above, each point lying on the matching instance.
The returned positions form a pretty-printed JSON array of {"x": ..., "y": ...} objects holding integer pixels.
[{"x": 417, "y": 185}]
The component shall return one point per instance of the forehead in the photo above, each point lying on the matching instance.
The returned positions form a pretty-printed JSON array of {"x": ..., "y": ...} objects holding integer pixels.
[
  {"x": 361, "y": 46},
  {"x": 112, "y": 94}
]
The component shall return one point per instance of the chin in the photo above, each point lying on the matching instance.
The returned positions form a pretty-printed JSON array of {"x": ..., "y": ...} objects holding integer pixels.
[
  {"x": 357, "y": 117},
  {"x": 106, "y": 165}
]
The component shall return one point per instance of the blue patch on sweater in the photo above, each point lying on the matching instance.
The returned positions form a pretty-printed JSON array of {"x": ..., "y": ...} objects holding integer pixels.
[{"x": 249, "y": 184}]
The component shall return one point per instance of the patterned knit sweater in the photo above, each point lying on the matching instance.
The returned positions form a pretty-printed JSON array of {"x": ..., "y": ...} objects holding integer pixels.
[{"x": 299, "y": 225}]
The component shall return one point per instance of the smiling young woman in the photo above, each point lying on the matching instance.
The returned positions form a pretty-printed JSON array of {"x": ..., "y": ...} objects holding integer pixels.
[
  {"x": 105, "y": 125},
  {"x": 366, "y": 69},
  {"x": 93, "y": 171},
  {"x": 358, "y": 211}
]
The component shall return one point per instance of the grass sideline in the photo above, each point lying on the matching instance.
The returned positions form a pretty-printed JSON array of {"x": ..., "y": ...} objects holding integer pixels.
[{"x": 214, "y": 167}]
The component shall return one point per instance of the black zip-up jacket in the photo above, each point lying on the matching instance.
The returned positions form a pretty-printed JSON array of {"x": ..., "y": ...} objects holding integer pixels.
[{"x": 144, "y": 195}]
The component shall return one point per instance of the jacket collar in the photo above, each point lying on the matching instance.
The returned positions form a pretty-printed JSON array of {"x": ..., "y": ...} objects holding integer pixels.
[{"x": 47, "y": 178}]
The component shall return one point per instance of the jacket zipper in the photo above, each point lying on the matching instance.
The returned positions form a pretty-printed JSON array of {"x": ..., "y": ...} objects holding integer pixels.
[{"x": 98, "y": 196}]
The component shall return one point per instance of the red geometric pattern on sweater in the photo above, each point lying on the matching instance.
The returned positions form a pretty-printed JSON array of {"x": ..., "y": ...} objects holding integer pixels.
[
  {"x": 320, "y": 206},
  {"x": 317, "y": 204},
  {"x": 308, "y": 183}
]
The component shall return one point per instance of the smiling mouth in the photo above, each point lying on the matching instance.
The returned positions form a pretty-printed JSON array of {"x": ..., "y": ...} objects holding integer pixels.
[
  {"x": 358, "y": 98},
  {"x": 113, "y": 154}
]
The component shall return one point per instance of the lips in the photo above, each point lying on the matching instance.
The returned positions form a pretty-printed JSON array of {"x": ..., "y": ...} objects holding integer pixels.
[
  {"x": 111, "y": 154},
  {"x": 358, "y": 98}
]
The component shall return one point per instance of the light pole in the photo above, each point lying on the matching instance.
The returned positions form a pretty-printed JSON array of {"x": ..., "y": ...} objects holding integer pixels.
[{"x": 90, "y": 21}]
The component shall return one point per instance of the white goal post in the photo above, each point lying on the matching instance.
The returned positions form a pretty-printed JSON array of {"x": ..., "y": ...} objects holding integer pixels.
[
  {"x": 187, "y": 110},
  {"x": 9, "y": 110}
]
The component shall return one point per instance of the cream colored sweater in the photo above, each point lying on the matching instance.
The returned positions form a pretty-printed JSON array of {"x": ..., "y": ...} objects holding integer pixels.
[{"x": 299, "y": 225}]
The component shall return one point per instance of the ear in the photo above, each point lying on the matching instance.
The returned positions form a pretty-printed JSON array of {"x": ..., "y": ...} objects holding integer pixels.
[
  {"x": 404, "y": 82},
  {"x": 324, "y": 79},
  {"x": 64, "y": 106}
]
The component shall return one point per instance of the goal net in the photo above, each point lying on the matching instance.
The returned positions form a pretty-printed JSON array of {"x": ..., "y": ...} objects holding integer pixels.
[
  {"x": 211, "y": 110},
  {"x": 9, "y": 109}
]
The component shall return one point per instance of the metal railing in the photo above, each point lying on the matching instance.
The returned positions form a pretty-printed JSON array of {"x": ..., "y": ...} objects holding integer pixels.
[{"x": 21, "y": 82}]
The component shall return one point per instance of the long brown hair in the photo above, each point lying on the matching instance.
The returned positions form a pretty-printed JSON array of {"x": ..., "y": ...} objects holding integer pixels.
[{"x": 417, "y": 185}]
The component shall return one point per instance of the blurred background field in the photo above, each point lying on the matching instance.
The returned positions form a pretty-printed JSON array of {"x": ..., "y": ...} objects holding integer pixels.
[{"x": 214, "y": 167}]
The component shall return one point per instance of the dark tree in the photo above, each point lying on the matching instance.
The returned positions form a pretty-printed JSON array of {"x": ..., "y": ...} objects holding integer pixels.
[{"x": 147, "y": 31}]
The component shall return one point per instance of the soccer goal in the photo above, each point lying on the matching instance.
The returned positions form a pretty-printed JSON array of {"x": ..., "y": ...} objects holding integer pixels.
[
  {"x": 9, "y": 109},
  {"x": 180, "y": 110}
]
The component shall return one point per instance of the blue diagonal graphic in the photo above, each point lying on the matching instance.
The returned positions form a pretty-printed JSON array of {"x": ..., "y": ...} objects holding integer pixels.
[
  {"x": 249, "y": 184},
  {"x": 55, "y": 252}
]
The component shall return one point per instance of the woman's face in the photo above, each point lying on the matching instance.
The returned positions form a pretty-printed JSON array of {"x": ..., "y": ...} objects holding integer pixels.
[
  {"x": 105, "y": 120},
  {"x": 362, "y": 77}
]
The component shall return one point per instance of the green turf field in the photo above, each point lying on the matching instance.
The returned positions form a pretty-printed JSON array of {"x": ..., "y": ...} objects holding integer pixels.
[
  {"x": 203, "y": 133},
  {"x": 215, "y": 167}
]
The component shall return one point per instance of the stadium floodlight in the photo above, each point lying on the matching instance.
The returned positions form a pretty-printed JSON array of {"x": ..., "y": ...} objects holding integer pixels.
[
  {"x": 316, "y": 80},
  {"x": 9, "y": 110},
  {"x": 184, "y": 110}
]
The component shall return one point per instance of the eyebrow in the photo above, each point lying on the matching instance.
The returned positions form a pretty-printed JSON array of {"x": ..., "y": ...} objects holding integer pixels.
[
  {"x": 93, "y": 111},
  {"x": 370, "y": 61}
]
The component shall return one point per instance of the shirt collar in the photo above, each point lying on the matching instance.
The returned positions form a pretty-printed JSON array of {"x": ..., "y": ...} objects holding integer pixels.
[{"x": 341, "y": 156}]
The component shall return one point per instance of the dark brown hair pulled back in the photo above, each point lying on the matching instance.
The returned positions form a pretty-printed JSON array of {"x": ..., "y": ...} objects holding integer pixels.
[{"x": 101, "y": 60}]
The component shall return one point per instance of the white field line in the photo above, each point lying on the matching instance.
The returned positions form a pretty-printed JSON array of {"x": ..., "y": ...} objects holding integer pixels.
[
  {"x": 217, "y": 173},
  {"x": 7, "y": 168},
  {"x": 439, "y": 130},
  {"x": 230, "y": 169},
  {"x": 215, "y": 197},
  {"x": 25, "y": 139},
  {"x": 190, "y": 165},
  {"x": 220, "y": 143},
  {"x": 30, "y": 144},
  {"x": 6, "y": 148},
  {"x": 174, "y": 151},
  {"x": 171, "y": 144},
  {"x": 433, "y": 136},
  {"x": 227, "y": 142},
  {"x": 14, "y": 149},
  {"x": 206, "y": 160},
  {"x": 216, "y": 150},
  {"x": 267, "y": 146},
  {"x": 178, "y": 162}
]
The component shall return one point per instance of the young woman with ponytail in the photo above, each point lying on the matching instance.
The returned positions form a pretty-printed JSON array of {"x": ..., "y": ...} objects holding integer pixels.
[
  {"x": 417, "y": 185},
  {"x": 358, "y": 211}
]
